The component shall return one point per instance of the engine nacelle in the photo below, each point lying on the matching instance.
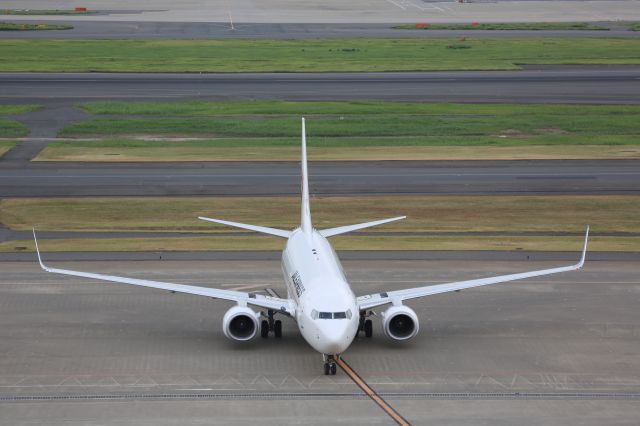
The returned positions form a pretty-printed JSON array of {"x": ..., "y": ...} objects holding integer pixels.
[
  {"x": 400, "y": 322},
  {"x": 240, "y": 323}
]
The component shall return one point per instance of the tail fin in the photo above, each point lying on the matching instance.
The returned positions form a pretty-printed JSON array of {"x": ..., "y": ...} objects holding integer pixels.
[{"x": 305, "y": 209}]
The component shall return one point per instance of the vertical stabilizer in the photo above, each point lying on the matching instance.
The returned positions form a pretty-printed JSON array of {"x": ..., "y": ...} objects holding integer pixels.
[{"x": 305, "y": 210}]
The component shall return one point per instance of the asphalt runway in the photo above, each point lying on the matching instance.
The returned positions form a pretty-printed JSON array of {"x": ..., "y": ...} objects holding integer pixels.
[
  {"x": 339, "y": 11},
  {"x": 536, "y": 84},
  {"x": 559, "y": 349},
  {"x": 330, "y": 178},
  {"x": 93, "y": 30}
]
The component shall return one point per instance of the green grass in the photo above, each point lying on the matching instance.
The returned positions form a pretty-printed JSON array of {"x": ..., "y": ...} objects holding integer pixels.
[
  {"x": 352, "y": 142},
  {"x": 526, "y": 26},
  {"x": 42, "y": 12},
  {"x": 13, "y": 26},
  {"x": 12, "y": 128},
  {"x": 269, "y": 131},
  {"x": 349, "y": 124},
  {"x": 635, "y": 26},
  {"x": 174, "y": 151},
  {"x": 355, "y": 54},
  {"x": 357, "y": 107},
  {"x": 18, "y": 109},
  {"x": 6, "y": 146},
  {"x": 425, "y": 213}
]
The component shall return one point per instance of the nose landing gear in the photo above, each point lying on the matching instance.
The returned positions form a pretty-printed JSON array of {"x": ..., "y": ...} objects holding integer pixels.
[{"x": 330, "y": 367}]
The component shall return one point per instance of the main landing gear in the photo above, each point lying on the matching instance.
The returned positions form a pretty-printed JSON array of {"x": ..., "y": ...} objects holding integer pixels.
[
  {"x": 330, "y": 366},
  {"x": 365, "y": 324},
  {"x": 270, "y": 324}
]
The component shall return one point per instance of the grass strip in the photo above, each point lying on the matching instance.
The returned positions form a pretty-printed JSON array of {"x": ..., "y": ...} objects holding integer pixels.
[
  {"x": 425, "y": 213},
  {"x": 6, "y": 146},
  {"x": 269, "y": 130},
  {"x": 522, "y": 26},
  {"x": 275, "y": 107},
  {"x": 176, "y": 151},
  {"x": 44, "y": 12},
  {"x": 19, "y": 109},
  {"x": 14, "y": 26},
  {"x": 572, "y": 243},
  {"x": 320, "y": 55},
  {"x": 516, "y": 125},
  {"x": 11, "y": 128}
]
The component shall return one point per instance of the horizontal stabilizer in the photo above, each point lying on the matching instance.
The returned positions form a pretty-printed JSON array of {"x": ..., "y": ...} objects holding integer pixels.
[
  {"x": 262, "y": 229},
  {"x": 349, "y": 228}
]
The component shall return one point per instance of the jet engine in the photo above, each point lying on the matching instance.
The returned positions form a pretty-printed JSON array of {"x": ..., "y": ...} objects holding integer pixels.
[
  {"x": 240, "y": 323},
  {"x": 400, "y": 322}
]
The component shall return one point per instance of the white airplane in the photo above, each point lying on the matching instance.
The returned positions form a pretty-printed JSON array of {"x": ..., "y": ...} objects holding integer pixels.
[{"x": 328, "y": 314}]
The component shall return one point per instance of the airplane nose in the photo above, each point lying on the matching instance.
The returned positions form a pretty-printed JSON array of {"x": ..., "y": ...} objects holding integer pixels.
[{"x": 335, "y": 340}]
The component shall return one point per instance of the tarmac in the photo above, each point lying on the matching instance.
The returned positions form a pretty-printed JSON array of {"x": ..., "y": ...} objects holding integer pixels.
[
  {"x": 96, "y": 30},
  {"x": 615, "y": 84},
  {"x": 559, "y": 349},
  {"x": 338, "y": 11},
  {"x": 367, "y": 178}
]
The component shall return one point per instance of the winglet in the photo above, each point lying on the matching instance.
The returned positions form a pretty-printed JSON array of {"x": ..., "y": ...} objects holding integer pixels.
[
  {"x": 584, "y": 249},
  {"x": 38, "y": 250}
]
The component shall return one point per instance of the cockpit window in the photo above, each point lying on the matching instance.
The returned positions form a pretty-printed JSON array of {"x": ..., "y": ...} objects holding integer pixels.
[{"x": 330, "y": 315}]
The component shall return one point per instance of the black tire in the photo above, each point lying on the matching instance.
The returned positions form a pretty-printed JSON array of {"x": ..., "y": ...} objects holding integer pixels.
[
  {"x": 368, "y": 328},
  {"x": 333, "y": 369},
  {"x": 327, "y": 369},
  {"x": 264, "y": 329},
  {"x": 277, "y": 329}
]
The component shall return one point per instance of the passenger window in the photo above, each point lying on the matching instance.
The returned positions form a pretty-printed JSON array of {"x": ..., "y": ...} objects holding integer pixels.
[
  {"x": 339, "y": 315},
  {"x": 325, "y": 315}
]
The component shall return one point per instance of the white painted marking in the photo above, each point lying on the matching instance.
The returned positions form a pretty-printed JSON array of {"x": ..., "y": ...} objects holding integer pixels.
[
  {"x": 195, "y": 389},
  {"x": 231, "y": 21},
  {"x": 397, "y": 4}
]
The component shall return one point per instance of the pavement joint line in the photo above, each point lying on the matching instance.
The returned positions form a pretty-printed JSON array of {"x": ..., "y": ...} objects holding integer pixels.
[{"x": 495, "y": 396}]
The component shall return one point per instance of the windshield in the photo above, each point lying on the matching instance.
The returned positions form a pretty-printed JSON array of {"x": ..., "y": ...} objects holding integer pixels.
[{"x": 331, "y": 315}]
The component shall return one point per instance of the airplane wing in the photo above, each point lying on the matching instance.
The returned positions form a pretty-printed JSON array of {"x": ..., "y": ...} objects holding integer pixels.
[
  {"x": 268, "y": 302},
  {"x": 378, "y": 299}
]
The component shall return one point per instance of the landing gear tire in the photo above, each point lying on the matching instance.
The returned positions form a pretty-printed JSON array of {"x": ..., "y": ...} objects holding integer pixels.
[
  {"x": 368, "y": 328},
  {"x": 264, "y": 329},
  {"x": 330, "y": 368},
  {"x": 277, "y": 329}
]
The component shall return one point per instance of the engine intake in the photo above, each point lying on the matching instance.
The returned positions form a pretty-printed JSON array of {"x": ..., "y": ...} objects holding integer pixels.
[
  {"x": 240, "y": 323},
  {"x": 400, "y": 323}
]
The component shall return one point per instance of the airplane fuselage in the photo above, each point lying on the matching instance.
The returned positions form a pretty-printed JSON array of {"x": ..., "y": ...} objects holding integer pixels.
[{"x": 326, "y": 313}]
